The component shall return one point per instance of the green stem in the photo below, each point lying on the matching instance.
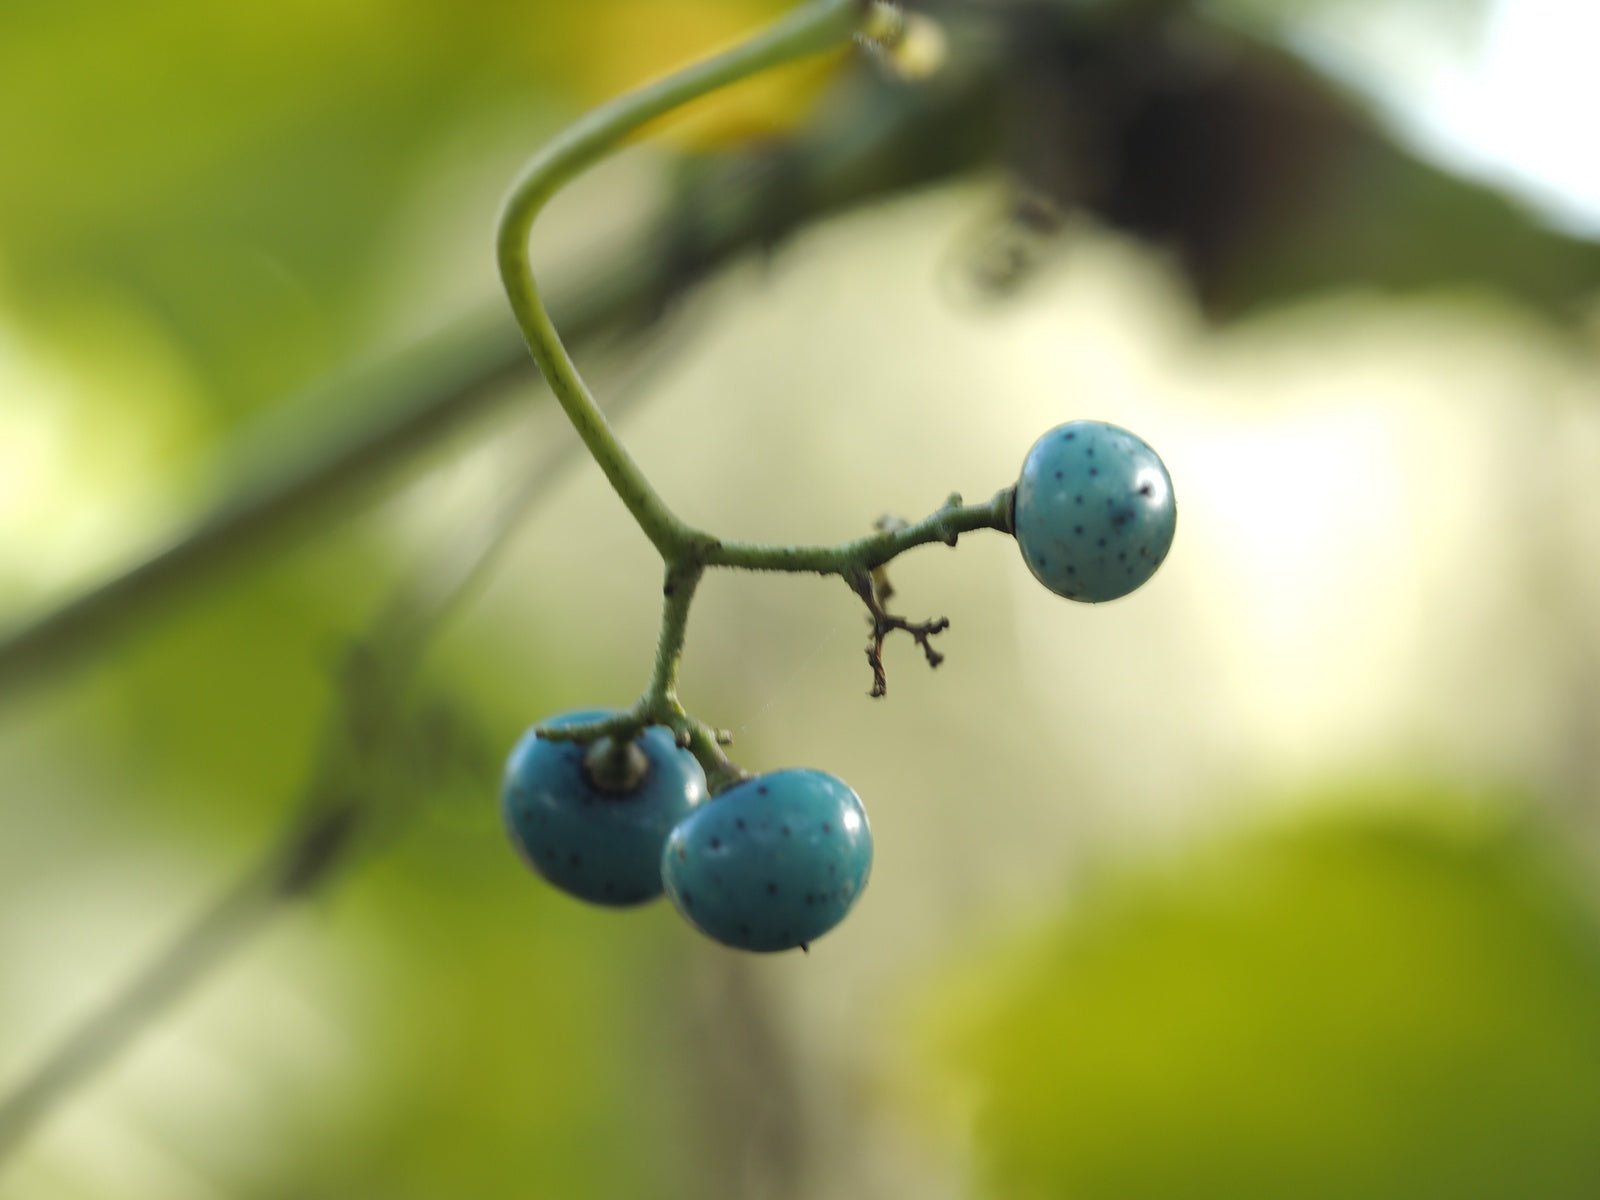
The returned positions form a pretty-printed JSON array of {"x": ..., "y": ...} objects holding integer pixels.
[
  {"x": 687, "y": 551},
  {"x": 865, "y": 553},
  {"x": 677, "y": 594},
  {"x": 809, "y": 30}
]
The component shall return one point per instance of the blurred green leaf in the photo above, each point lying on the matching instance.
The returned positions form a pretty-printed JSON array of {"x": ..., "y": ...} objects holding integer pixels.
[{"x": 1399, "y": 1004}]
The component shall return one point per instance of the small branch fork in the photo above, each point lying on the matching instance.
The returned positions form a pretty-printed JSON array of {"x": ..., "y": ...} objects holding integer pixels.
[
  {"x": 859, "y": 563},
  {"x": 687, "y": 552},
  {"x": 875, "y": 591},
  {"x": 873, "y": 588}
]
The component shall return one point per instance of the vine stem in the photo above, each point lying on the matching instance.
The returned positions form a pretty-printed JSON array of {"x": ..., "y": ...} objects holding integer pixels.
[
  {"x": 808, "y": 30},
  {"x": 686, "y": 551}
]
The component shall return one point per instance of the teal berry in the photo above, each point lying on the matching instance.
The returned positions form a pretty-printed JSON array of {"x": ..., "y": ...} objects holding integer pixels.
[
  {"x": 597, "y": 842},
  {"x": 772, "y": 863},
  {"x": 1094, "y": 512}
]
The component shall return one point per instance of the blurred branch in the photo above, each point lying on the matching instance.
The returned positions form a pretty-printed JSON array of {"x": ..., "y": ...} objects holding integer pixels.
[
  {"x": 304, "y": 856},
  {"x": 749, "y": 1087},
  {"x": 425, "y": 393},
  {"x": 378, "y": 745}
]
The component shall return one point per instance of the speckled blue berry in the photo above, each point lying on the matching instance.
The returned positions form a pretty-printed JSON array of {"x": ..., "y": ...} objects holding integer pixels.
[
  {"x": 1094, "y": 511},
  {"x": 597, "y": 845},
  {"x": 772, "y": 863}
]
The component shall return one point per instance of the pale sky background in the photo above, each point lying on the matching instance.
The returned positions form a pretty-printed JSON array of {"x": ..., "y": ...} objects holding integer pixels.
[{"x": 1516, "y": 105}]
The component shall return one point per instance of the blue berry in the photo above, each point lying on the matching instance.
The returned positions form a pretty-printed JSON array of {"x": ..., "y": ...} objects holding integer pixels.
[
  {"x": 772, "y": 863},
  {"x": 1094, "y": 511},
  {"x": 594, "y": 842}
]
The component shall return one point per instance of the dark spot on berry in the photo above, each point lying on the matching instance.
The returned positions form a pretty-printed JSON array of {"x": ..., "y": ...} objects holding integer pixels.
[
  {"x": 1072, "y": 570},
  {"x": 1090, "y": 452},
  {"x": 1077, "y": 529},
  {"x": 574, "y": 859},
  {"x": 1100, "y": 542},
  {"x": 1146, "y": 490},
  {"x": 772, "y": 888},
  {"x": 1059, "y": 475},
  {"x": 744, "y": 930},
  {"x": 1077, "y": 499},
  {"x": 682, "y": 854},
  {"x": 739, "y": 824},
  {"x": 1144, "y": 551},
  {"x": 1093, "y": 471},
  {"x": 785, "y": 831},
  {"x": 1044, "y": 562},
  {"x": 688, "y": 899},
  {"x": 827, "y": 827},
  {"x": 761, "y": 789},
  {"x": 716, "y": 843},
  {"x": 811, "y": 898},
  {"x": 1122, "y": 556},
  {"x": 1067, "y": 437}
]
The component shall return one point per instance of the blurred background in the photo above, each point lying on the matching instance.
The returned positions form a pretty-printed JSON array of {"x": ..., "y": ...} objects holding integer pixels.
[{"x": 1275, "y": 878}]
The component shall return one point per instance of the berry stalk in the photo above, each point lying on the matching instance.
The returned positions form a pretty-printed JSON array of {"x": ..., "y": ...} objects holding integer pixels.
[
  {"x": 687, "y": 552},
  {"x": 866, "y": 553}
]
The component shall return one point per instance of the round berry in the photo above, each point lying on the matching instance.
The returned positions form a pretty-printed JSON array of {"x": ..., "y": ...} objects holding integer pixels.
[
  {"x": 772, "y": 863},
  {"x": 594, "y": 826},
  {"x": 1094, "y": 511}
]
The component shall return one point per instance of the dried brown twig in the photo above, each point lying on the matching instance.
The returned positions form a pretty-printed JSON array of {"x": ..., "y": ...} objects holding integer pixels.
[{"x": 874, "y": 589}]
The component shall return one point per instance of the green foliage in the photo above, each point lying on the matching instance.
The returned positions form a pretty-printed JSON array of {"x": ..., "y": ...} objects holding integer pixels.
[
  {"x": 1395, "y": 1008},
  {"x": 518, "y": 1043},
  {"x": 1398, "y": 1004}
]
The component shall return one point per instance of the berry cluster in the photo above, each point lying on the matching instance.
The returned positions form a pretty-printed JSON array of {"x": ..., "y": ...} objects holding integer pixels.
[{"x": 774, "y": 861}]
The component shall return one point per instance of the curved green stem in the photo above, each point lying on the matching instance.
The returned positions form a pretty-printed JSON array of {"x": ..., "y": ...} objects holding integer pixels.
[
  {"x": 687, "y": 552},
  {"x": 808, "y": 30}
]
